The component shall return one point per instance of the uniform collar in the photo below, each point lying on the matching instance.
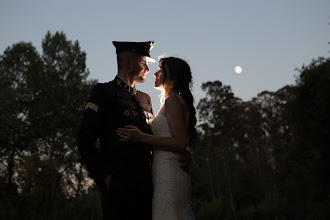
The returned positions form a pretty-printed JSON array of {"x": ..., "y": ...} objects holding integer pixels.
[{"x": 122, "y": 84}]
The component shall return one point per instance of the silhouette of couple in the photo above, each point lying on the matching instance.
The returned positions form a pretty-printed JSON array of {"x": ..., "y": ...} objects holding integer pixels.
[{"x": 141, "y": 164}]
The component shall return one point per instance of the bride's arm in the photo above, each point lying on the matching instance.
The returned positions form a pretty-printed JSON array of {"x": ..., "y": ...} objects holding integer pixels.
[{"x": 176, "y": 122}]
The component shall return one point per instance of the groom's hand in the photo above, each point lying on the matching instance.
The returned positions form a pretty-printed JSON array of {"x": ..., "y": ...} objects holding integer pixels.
[
  {"x": 184, "y": 160},
  {"x": 107, "y": 181}
]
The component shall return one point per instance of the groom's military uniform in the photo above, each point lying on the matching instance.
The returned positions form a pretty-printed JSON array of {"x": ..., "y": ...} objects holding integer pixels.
[{"x": 111, "y": 106}]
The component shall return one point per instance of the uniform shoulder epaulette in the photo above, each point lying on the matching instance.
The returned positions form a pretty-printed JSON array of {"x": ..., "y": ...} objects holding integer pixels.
[
  {"x": 92, "y": 106},
  {"x": 96, "y": 97}
]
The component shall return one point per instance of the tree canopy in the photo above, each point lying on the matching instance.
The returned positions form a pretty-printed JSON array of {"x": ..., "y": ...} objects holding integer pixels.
[{"x": 43, "y": 100}]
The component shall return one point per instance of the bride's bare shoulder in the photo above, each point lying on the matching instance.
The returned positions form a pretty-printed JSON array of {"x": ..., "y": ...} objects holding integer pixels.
[
  {"x": 173, "y": 103},
  {"x": 172, "y": 99}
]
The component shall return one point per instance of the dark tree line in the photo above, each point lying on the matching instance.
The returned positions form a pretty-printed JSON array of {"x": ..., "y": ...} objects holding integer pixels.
[
  {"x": 42, "y": 98},
  {"x": 265, "y": 158}
]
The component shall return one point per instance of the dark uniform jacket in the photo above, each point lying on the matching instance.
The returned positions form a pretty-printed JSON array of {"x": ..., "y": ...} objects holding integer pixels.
[{"x": 113, "y": 105}]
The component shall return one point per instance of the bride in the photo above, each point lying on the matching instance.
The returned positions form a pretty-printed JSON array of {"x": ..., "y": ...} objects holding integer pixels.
[{"x": 173, "y": 131}]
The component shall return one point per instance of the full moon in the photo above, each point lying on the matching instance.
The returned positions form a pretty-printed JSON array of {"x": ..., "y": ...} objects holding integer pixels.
[{"x": 238, "y": 69}]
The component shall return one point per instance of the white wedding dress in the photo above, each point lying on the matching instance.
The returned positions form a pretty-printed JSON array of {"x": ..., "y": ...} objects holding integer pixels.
[{"x": 171, "y": 185}]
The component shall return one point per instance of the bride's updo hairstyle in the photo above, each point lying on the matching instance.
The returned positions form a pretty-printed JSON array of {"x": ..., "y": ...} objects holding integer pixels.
[{"x": 180, "y": 74}]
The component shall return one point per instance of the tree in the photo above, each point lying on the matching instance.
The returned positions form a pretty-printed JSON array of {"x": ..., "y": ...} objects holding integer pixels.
[
  {"x": 56, "y": 112},
  {"x": 237, "y": 155},
  {"x": 308, "y": 154},
  {"x": 18, "y": 66},
  {"x": 217, "y": 113},
  {"x": 42, "y": 104}
]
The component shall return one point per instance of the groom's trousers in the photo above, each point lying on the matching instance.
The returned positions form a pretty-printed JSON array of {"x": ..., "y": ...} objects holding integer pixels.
[{"x": 126, "y": 204}]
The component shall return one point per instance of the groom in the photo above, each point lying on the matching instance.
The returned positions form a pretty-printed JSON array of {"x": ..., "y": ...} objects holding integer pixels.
[{"x": 120, "y": 169}]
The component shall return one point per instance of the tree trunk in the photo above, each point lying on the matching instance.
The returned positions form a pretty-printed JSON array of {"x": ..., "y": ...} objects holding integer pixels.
[
  {"x": 218, "y": 178},
  {"x": 211, "y": 180},
  {"x": 80, "y": 178},
  {"x": 230, "y": 193},
  {"x": 10, "y": 166}
]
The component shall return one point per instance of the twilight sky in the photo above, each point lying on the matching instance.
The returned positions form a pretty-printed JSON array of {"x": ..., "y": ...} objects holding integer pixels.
[{"x": 268, "y": 39}]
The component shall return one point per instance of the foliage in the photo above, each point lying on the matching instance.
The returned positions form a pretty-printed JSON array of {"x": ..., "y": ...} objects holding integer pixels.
[
  {"x": 42, "y": 103},
  {"x": 237, "y": 145},
  {"x": 265, "y": 158},
  {"x": 309, "y": 153}
]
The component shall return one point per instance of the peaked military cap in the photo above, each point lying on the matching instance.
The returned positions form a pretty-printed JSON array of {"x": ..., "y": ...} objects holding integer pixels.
[{"x": 142, "y": 48}]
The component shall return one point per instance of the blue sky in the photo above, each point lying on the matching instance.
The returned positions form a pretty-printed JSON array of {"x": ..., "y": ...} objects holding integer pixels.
[{"x": 268, "y": 39}]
